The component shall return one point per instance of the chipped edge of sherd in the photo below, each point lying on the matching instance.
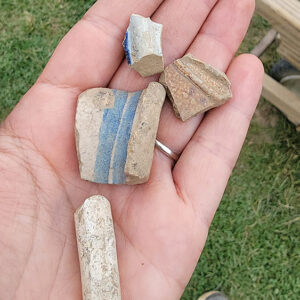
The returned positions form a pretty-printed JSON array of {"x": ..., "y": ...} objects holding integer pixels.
[
  {"x": 219, "y": 74},
  {"x": 133, "y": 179},
  {"x": 127, "y": 46}
]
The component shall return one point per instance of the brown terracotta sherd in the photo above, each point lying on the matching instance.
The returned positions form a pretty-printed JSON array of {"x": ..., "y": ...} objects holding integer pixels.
[{"x": 194, "y": 87}]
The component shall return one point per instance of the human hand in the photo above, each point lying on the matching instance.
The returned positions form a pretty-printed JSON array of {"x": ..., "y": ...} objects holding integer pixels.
[{"x": 161, "y": 226}]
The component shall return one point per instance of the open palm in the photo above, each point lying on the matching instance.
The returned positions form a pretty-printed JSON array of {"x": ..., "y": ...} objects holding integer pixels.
[{"x": 161, "y": 226}]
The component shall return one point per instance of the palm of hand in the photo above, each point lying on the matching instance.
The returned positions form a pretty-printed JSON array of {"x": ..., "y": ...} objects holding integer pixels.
[{"x": 160, "y": 226}]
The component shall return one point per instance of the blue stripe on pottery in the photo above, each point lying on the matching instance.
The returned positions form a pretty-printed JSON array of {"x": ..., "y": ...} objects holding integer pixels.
[
  {"x": 108, "y": 132},
  {"x": 122, "y": 139},
  {"x": 126, "y": 46}
]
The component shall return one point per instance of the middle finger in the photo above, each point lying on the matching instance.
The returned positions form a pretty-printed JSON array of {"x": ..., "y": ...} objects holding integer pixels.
[
  {"x": 181, "y": 22},
  {"x": 216, "y": 44}
]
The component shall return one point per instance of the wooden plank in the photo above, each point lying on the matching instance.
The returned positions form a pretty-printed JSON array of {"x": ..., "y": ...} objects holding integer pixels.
[
  {"x": 282, "y": 98},
  {"x": 284, "y": 15},
  {"x": 292, "y": 40},
  {"x": 264, "y": 43},
  {"x": 286, "y": 43},
  {"x": 289, "y": 54}
]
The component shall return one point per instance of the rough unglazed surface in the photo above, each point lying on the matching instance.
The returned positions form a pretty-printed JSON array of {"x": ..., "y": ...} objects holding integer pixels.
[
  {"x": 97, "y": 250},
  {"x": 143, "y": 134},
  {"x": 194, "y": 86},
  {"x": 142, "y": 45},
  {"x": 115, "y": 133}
]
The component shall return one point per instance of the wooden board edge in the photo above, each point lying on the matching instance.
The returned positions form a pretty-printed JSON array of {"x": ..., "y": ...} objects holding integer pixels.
[{"x": 286, "y": 101}]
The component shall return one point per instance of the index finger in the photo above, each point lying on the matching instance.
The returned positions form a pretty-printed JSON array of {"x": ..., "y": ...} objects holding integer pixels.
[{"x": 92, "y": 51}]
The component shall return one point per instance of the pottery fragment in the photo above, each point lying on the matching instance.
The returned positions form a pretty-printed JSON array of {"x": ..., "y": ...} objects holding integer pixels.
[
  {"x": 115, "y": 133},
  {"x": 97, "y": 250},
  {"x": 142, "y": 45},
  {"x": 194, "y": 87}
]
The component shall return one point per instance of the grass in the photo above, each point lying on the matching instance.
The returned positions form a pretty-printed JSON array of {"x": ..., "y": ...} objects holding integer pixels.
[
  {"x": 251, "y": 252},
  {"x": 29, "y": 32}
]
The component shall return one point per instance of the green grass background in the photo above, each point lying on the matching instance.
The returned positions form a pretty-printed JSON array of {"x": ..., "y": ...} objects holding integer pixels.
[{"x": 252, "y": 250}]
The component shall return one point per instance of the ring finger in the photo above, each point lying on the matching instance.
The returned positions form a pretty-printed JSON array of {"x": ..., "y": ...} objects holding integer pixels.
[{"x": 216, "y": 44}]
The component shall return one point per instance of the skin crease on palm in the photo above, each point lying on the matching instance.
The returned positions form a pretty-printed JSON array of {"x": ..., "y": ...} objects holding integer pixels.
[{"x": 160, "y": 226}]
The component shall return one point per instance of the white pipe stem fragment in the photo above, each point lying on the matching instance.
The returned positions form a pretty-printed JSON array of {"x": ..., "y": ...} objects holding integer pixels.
[{"x": 97, "y": 250}]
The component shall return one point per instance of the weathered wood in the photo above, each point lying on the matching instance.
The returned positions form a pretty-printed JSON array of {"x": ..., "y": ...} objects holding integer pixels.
[
  {"x": 290, "y": 54},
  {"x": 267, "y": 40},
  {"x": 282, "y": 98},
  {"x": 290, "y": 39},
  {"x": 284, "y": 15}
]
